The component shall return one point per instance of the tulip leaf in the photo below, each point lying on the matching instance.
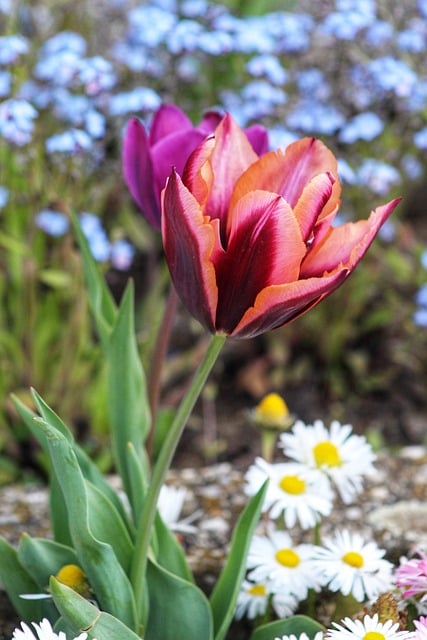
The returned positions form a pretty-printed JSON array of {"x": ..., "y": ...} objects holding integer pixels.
[
  {"x": 87, "y": 466},
  {"x": 127, "y": 396},
  {"x": 224, "y": 596},
  {"x": 107, "y": 526},
  {"x": 101, "y": 301},
  {"x": 296, "y": 625},
  {"x": 169, "y": 552},
  {"x": 138, "y": 473},
  {"x": 178, "y": 609},
  {"x": 43, "y": 558},
  {"x": 58, "y": 513},
  {"x": 16, "y": 580},
  {"x": 96, "y": 557},
  {"x": 81, "y": 615}
]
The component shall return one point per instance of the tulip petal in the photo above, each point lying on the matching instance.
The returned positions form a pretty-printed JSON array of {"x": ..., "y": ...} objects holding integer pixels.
[
  {"x": 313, "y": 199},
  {"x": 346, "y": 244},
  {"x": 209, "y": 123},
  {"x": 231, "y": 144},
  {"x": 287, "y": 172},
  {"x": 258, "y": 137},
  {"x": 168, "y": 119},
  {"x": 280, "y": 304},
  {"x": 264, "y": 247},
  {"x": 138, "y": 171},
  {"x": 190, "y": 242},
  {"x": 173, "y": 151}
]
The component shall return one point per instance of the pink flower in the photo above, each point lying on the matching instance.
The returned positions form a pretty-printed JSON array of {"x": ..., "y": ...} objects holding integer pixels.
[
  {"x": 149, "y": 157},
  {"x": 411, "y": 576},
  {"x": 249, "y": 241}
]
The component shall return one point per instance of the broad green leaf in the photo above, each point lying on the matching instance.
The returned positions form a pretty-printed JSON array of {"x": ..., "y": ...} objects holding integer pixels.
[
  {"x": 170, "y": 553},
  {"x": 43, "y": 558},
  {"x": 106, "y": 525},
  {"x": 58, "y": 513},
  {"x": 100, "y": 299},
  {"x": 80, "y": 615},
  {"x": 87, "y": 466},
  {"x": 97, "y": 558},
  {"x": 16, "y": 581},
  {"x": 294, "y": 625},
  {"x": 127, "y": 395},
  {"x": 178, "y": 609},
  {"x": 138, "y": 473},
  {"x": 224, "y": 596}
]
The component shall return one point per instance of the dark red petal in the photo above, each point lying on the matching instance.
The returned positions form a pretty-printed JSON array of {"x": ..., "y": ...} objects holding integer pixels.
[
  {"x": 189, "y": 243},
  {"x": 281, "y": 304},
  {"x": 264, "y": 247},
  {"x": 139, "y": 173}
]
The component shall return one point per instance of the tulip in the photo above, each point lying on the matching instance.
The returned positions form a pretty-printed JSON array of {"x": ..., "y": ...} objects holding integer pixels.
[
  {"x": 249, "y": 241},
  {"x": 149, "y": 157}
]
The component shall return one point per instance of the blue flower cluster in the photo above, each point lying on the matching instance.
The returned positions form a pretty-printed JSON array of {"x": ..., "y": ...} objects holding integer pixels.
[
  {"x": 119, "y": 253},
  {"x": 353, "y": 71},
  {"x": 420, "y": 314}
]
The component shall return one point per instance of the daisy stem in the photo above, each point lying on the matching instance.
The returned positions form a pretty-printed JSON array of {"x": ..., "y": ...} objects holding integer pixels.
[
  {"x": 316, "y": 534},
  {"x": 161, "y": 467}
]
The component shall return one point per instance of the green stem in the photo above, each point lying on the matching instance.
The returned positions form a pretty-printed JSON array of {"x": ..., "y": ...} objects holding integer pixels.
[
  {"x": 146, "y": 521},
  {"x": 158, "y": 358}
]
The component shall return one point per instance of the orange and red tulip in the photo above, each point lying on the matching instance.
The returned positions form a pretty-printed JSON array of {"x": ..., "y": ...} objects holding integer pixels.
[{"x": 249, "y": 240}]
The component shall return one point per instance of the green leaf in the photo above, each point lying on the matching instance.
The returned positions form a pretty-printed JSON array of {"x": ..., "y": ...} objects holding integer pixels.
[
  {"x": 80, "y": 615},
  {"x": 16, "y": 581},
  {"x": 127, "y": 396},
  {"x": 106, "y": 525},
  {"x": 96, "y": 557},
  {"x": 43, "y": 558},
  {"x": 87, "y": 466},
  {"x": 138, "y": 473},
  {"x": 58, "y": 513},
  {"x": 294, "y": 625},
  {"x": 170, "y": 553},
  {"x": 100, "y": 299},
  {"x": 224, "y": 596},
  {"x": 178, "y": 610}
]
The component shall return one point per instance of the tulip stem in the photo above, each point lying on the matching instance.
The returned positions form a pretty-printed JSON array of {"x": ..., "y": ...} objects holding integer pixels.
[
  {"x": 161, "y": 467},
  {"x": 158, "y": 358}
]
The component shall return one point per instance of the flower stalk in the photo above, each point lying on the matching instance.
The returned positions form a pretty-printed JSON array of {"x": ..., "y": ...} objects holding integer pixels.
[{"x": 146, "y": 521}]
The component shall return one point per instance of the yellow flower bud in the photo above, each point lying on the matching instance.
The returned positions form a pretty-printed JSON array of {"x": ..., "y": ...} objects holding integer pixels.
[
  {"x": 72, "y": 576},
  {"x": 273, "y": 413}
]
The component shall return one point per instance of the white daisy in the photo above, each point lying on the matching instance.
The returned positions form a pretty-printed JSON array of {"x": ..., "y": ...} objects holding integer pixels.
[
  {"x": 348, "y": 564},
  {"x": 252, "y": 600},
  {"x": 343, "y": 456},
  {"x": 170, "y": 505},
  {"x": 43, "y": 631},
  {"x": 369, "y": 629},
  {"x": 303, "y": 495},
  {"x": 285, "y": 567},
  {"x": 284, "y": 604},
  {"x": 302, "y": 636}
]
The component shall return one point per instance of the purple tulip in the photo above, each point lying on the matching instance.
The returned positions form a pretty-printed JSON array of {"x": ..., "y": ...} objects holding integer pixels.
[{"x": 149, "y": 157}]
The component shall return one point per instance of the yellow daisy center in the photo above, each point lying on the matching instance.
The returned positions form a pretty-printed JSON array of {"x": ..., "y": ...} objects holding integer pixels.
[
  {"x": 258, "y": 590},
  {"x": 327, "y": 454},
  {"x": 288, "y": 558},
  {"x": 292, "y": 484},
  {"x": 354, "y": 559},
  {"x": 373, "y": 635}
]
